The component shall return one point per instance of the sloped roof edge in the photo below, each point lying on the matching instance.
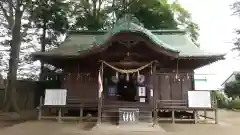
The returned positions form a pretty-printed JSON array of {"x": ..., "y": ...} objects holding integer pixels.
[
  {"x": 102, "y": 32},
  {"x": 233, "y": 73},
  {"x": 132, "y": 27}
]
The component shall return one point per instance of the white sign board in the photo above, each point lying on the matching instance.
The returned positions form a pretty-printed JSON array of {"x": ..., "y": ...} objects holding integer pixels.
[
  {"x": 55, "y": 97},
  {"x": 199, "y": 99},
  {"x": 142, "y": 100},
  {"x": 141, "y": 91}
]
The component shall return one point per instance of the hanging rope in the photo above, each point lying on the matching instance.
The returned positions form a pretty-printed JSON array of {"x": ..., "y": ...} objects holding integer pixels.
[{"x": 127, "y": 71}]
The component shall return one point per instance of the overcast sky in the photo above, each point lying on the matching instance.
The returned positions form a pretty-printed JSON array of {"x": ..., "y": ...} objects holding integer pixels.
[{"x": 216, "y": 24}]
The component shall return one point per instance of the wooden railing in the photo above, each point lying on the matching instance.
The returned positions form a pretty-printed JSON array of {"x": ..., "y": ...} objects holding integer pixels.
[
  {"x": 172, "y": 104},
  {"x": 78, "y": 102},
  {"x": 177, "y": 109},
  {"x": 111, "y": 108}
]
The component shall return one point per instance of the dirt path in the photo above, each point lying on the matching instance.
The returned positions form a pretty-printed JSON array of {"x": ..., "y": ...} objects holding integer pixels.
[{"x": 229, "y": 124}]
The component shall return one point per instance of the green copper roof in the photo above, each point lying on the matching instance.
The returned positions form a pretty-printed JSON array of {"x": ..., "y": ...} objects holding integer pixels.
[
  {"x": 123, "y": 25},
  {"x": 171, "y": 40},
  {"x": 184, "y": 45}
]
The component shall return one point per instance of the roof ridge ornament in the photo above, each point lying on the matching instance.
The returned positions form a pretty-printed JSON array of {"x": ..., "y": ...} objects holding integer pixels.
[
  {"x": 123, "y": 23},
  {"x": 129, "y": 18}
]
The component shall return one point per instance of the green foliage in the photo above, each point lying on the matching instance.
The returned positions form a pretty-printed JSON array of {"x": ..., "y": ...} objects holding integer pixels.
[
  {"x": 90, "y": 14},
  {"x": 232, "y": 89},
  {"x": 236, "y": 11},
  {"x": 159, "y": 14},
  {"x": 184, "y": 19},
  {"x": 222, "y": 100},
  {"x": 50, "y": 15},
  {"x": 153, "y": 14},
  {"x": 234, "y": 104}
]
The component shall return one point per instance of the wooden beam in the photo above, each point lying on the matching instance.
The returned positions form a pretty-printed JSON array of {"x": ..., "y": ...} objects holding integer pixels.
[
  {"x": 124, "y": 54},
  {"x": 154, "y": 95},
  {"x": 128, "y": 64}
]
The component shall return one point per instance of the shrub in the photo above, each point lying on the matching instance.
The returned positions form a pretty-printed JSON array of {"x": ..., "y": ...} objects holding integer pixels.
[
  {"x": 234, "y": 104},
  {"x": 222, "y": 100}
]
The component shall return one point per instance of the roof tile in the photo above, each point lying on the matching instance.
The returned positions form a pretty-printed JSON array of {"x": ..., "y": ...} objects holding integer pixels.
[{"x": 172, "y": 40}]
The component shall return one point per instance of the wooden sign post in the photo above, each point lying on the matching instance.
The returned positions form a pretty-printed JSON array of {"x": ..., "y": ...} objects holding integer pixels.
[{"x": 54, "y": 97}]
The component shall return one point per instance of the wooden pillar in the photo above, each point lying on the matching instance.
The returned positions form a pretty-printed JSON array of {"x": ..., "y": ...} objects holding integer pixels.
[
  {"x": 216, "y": 116},
  {"x": 99, "y": 110},
  {"x": 151, "y": 83},
  {"x": 154, "y": 77},
  {"x": 195, "y": 116},
  {"x": 81, "y": 113},
  {"x": 173, "y": 116},
  {"x": 205, "y": 114},
  {"x": 40, "y": 109},
  {"x": 214, "y": 105},
  {"x": 100, "y": 98},
  {"x": 59, "y": 114}
]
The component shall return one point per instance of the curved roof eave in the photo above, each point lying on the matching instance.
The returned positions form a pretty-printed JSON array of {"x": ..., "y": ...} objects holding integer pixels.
[{"x": 132, "y": 27}]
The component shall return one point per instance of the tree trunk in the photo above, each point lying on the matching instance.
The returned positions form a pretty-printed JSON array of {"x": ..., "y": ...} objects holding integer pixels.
[
  {"x": 43, "y": 48},
  {"x": 11, "y": 101}
]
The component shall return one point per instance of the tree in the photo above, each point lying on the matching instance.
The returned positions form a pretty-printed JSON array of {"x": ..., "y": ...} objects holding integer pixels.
[
  {"x": 50, "y": 17},
  {"x": 232, "y": 89},
  {"x": 184, "y": 19},
  {"x": 153, "y": 14},
  {"x": 3, "y": 63},
  {"x": 236, "y": 11},
  {"x": 54, "y": 12},
  {"x": 91, "y": 14},
  {"x": 158, "y": 14},
  {"x": 13, "y": 12}
]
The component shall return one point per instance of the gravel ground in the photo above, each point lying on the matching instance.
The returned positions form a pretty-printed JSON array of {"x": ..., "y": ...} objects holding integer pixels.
[{"x": 229, "y": 124}]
